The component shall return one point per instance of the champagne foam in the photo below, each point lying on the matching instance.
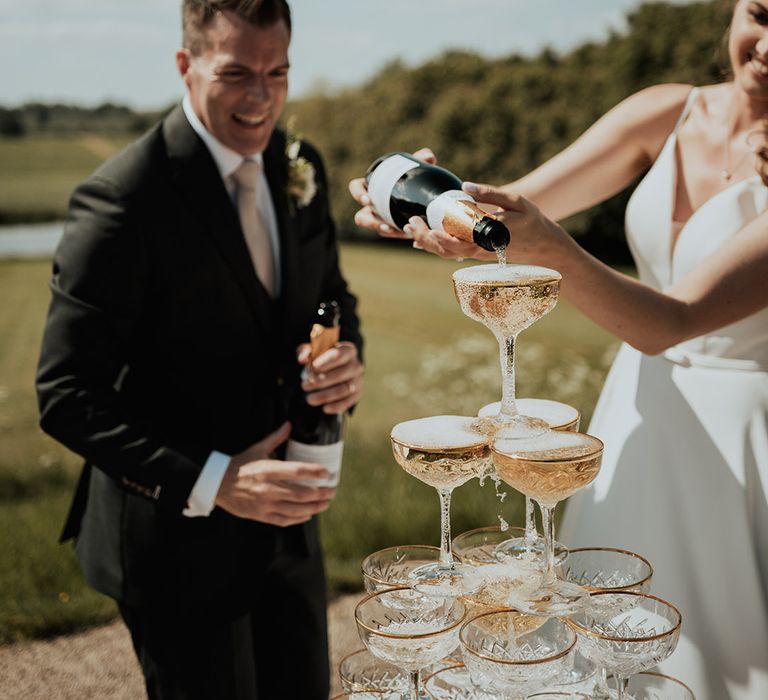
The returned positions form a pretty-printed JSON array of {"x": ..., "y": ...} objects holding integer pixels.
[
  {"x": 438, "y": 433},
  {"x": 550, "y": 447},
  {"x": 554, "y": 413},
  {"x": 510, "y": 275}
]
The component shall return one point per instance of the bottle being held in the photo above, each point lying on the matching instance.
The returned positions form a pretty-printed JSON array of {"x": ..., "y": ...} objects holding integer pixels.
[
  {"x": 401, "y": 186},
  {"x": 316, "y": 436}
]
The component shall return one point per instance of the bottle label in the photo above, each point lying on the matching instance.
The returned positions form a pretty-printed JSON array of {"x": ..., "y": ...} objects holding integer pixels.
[
  {"x": 383, "y": 181},
  {"x": 327, "y": 455},
  {"x": 439, "y": 206}
]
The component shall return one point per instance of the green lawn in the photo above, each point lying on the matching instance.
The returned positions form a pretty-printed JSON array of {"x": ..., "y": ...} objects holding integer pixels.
[
  {"x": 423, "y": 357},
  {"x": 39, "y": 172}
]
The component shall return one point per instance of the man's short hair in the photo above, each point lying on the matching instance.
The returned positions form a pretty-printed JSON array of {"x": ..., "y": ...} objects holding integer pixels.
[{"x": 197, "y": 14}]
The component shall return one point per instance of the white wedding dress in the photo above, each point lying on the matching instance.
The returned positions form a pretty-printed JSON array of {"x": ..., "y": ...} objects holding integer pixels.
[{"x": 684, "y": 479}]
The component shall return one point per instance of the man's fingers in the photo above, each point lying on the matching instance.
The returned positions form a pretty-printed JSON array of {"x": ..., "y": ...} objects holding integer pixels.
[
  {"x": 273, "y": 440},
  {"x": 340, "y": 355},
  {"x": 279, "y": 471}
]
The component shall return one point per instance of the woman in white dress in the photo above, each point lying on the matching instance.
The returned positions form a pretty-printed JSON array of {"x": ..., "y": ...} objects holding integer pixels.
[{"x": 684, "y": 411}]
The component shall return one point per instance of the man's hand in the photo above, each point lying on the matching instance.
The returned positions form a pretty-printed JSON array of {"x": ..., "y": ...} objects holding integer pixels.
[
  {"x": 335, "y": 381},
  {"x": 366, "y": 217},
  {"x": 257, "y": 487}
]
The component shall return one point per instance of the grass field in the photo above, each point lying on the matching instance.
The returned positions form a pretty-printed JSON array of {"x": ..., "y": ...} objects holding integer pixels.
[
  {"x": 39, "y": 173},
  {"x": 423, "y": 357}
]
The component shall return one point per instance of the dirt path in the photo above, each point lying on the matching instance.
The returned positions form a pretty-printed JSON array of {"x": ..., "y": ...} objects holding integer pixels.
[{"x": 100, "y": 663}]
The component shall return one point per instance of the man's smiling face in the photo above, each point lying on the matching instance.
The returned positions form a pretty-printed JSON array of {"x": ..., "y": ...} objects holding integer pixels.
[{"x": 238, "y": 82}]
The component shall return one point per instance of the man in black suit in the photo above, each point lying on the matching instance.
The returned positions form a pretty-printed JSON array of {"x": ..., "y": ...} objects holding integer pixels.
[{"x": 169, "y": 357}]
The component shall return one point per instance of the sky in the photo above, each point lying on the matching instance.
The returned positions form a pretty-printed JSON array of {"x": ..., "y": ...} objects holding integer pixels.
[{"x": 90, "y": 51}]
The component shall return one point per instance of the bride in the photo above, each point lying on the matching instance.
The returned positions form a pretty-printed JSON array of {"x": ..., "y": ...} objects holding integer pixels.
[{"x": 684, "y": 411}]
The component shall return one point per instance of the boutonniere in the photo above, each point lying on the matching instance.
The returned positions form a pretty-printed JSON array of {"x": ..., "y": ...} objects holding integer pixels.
[{"x": 301, "y": 185}]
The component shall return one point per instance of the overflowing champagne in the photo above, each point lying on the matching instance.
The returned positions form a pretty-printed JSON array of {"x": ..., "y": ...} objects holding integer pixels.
[
  {"x": 507, "y": 299},
  {"x": 441, "y": 451}
]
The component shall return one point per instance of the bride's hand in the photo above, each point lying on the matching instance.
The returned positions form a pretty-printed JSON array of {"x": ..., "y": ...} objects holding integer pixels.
[
  {"x": 441, "y": 243},
  {"x": 366, "y": 217},
  {"x": 533, "y": 236}
]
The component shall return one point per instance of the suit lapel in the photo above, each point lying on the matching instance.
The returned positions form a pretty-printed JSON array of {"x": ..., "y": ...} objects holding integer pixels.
[{"x": 195, "y": 174}]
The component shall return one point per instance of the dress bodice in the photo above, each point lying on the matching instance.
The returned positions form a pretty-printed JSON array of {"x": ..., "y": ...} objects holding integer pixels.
[{"x": 649, "y": 228}]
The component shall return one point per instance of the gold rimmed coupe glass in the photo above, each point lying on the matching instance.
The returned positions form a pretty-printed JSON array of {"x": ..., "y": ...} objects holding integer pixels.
[
  {"x": 626, "y": 633},
  {"x": 392, "y": 566},
  {"x": 514, "y": 661},
  {"x": 361, "y": 670},
  {"x": 656, "y": 686},
  {"x": 444, "y": 452},
  {"x": 412, "y": 638},
  {"x": 504, "y": 581},
  {"x": 549, "y": 469},
  {"x": 507, "y": 299},
  {"x": 558, "y": 416},
  {"x": 368, "y": 695},
  {"x": 455, "y": 683},
  {"x": 607, "y": 569}
]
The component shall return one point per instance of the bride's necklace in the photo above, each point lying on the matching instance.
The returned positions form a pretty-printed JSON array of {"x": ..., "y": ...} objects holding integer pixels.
[
  {"x": 727, "y": 172},
  {"x": 730, "y": 168}
]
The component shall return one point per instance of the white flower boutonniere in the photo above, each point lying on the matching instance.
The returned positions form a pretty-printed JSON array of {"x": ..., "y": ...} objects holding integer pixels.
[{"x": 302, "y": 185}]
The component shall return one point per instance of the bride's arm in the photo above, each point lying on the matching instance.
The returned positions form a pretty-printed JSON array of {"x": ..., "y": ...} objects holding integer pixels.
[
  {"x": 608, "y": 156},
  {"x": 601, "y": 162},
  {"x": 727, "y": 287}
]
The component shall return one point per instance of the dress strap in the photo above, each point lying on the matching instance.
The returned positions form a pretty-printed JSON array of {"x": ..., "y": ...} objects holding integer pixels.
[{"x": 686, "y": 108}]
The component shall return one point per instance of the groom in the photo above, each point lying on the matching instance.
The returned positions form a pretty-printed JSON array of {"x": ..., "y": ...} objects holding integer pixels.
[{"x": 187, "y": 279}]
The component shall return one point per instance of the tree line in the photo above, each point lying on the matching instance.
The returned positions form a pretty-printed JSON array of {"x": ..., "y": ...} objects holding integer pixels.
[{"x": 487, "y": 119}]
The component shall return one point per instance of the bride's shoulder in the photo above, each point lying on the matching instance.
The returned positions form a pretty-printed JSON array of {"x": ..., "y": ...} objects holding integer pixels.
[{"x": 662, "y": 102}]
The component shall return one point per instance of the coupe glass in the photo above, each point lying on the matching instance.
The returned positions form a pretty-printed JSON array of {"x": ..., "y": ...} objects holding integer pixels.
[
  {"x": 507, "y": 299},
  {"x": 655, "y": 686},
  {"x": 444, "y": 452},
  {"x": 549, "y": 469},
  {"x": 559, "y": 695},
  {"x": 504, "y": 655},
  {"x": 627, "y": 633},
  {"x": 393, "y": 566},
  {"x": 558, "y": 416},
  {"x": 368, "y": 695},
  {"x": 607, "y": 569},
  {"x": 361, "y": 670},
  {"x": 412, "y": 638},
  {"x": 505, "y": 581},
  {"x": 455, "y": 683}
]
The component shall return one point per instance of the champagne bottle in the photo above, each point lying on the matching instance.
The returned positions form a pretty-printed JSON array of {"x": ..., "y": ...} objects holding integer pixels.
[
  {"x": 316, "y": 436},
  {"x": 401, "y": 186}
]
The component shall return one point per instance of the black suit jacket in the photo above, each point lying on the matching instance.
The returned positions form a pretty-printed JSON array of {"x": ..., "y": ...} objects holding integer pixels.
[{"x": 161, "y": 345}]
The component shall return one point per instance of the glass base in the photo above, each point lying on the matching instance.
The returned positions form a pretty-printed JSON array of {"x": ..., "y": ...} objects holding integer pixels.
[
  {"x": 517, "y": 548},
  {"x": 446, "y": 580},
  {"x": 558, "y": 599},
  {"x": 504, "y": 427}
]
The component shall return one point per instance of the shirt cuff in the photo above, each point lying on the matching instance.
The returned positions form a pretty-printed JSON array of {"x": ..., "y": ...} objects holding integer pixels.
[{"x": 203, "y": 495}]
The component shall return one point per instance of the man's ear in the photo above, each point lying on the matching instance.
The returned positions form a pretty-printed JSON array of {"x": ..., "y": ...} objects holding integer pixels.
[{"x": 183, "y": 62}]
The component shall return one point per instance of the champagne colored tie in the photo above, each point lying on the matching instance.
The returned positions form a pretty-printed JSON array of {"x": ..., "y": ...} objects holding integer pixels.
[{"x": 254, "y": 229}]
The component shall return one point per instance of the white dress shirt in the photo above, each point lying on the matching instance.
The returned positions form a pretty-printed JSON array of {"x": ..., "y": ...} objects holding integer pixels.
[{"x": 203, "y": 494}]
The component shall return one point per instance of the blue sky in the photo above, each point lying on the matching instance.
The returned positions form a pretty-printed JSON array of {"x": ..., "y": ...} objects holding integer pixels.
[{"x": 89, "y": 51}]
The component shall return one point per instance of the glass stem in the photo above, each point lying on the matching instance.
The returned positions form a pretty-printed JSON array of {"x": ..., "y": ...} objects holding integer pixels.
[
  {"x": 601, "y": 684},
  {"x": 621, "y": 684},
  {"x": 531, "y": 534},
  {"x": 446, "y": 555},
  {"x": 414, "y": 690},
  {"x": 507, "y": 358},
  {"x": 548, "y": 523}
]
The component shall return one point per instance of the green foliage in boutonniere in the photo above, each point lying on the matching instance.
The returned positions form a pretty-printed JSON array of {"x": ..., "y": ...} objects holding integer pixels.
[{"x": 301, "y": 185}]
